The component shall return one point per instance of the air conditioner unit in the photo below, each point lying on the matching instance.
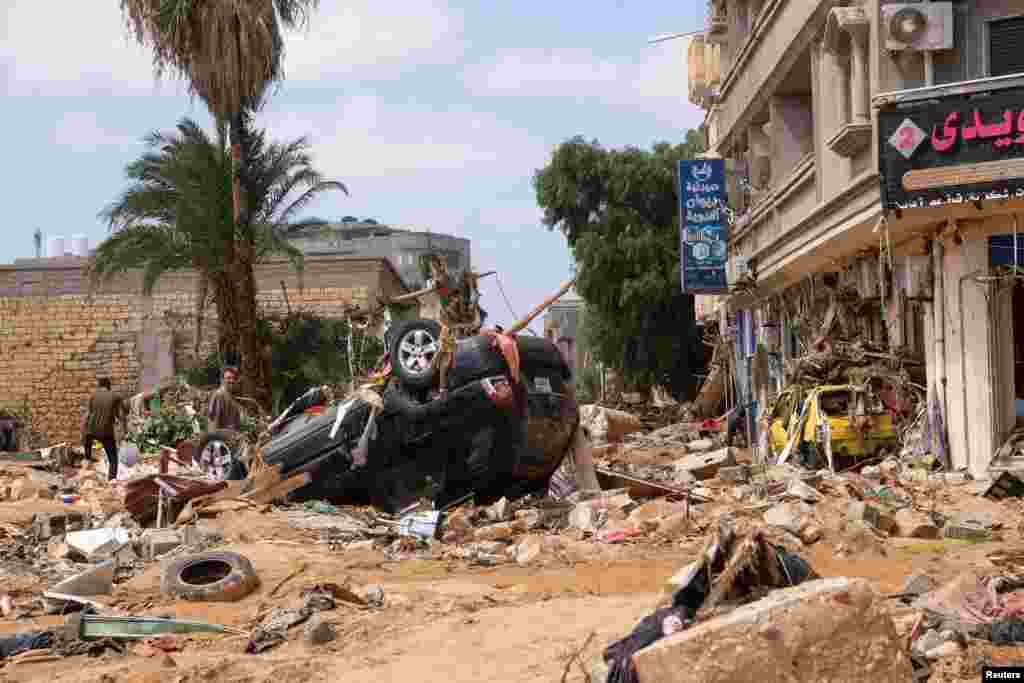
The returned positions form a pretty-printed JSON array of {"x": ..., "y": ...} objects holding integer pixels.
[{"x": 921, "y": 26}]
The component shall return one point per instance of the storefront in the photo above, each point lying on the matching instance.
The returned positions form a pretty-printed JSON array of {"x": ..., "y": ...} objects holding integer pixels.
[{"x": 952, "y": 172}]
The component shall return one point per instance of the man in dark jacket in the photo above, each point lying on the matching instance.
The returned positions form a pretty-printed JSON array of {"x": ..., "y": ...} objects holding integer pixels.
[{"x": 106, "y": 407}]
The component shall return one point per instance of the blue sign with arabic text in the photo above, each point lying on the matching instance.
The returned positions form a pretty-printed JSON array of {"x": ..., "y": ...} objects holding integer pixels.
[{"x": 704, "y": 229}]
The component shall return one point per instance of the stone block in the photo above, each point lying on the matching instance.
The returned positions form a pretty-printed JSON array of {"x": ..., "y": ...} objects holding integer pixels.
[
  {"x": 97, "y": 543},
  {"x": 157, "y": 542},
  {"x": 834, "y": 630},
  {"x": 706, "y": 465}
]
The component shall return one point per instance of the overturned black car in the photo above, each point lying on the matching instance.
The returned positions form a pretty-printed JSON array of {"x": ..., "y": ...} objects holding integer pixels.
[{"x": 493, "y": 430}]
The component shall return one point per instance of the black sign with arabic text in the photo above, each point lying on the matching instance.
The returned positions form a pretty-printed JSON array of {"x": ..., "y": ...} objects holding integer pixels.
[{"x": 952, "y": 149}]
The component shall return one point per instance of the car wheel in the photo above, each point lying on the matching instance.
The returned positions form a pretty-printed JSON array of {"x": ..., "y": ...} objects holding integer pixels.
[
  {"x": 414, "y": 348},
  {"x": 217, "y": 576},
  {"x": 214, "y": 446}
]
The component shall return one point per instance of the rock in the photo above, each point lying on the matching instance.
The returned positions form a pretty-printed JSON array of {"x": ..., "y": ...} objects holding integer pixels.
[
  {"x": 918, "y": 583},
  {"x": 157, "y": 542},
  {"x": 317, "y": 631},
  {"x": 735, "y": 474},
  {"x": 700, "y": 445},
  {"x": 97, "y": 543},
  {"x": 654, "y": 510},
  {"x": 499, "y": 512},
  {"x": 890, "y": 469},
  {"x": 786, "y": 516},
  {"x": 802, "y": 491},
  {"x": 528, "y": 550},
  {"x": 859, "y": 511},
  {"x": 494, "y": 532},
  {"x": 584, "y": 517},
  {"x": 706, "y": 465},
  {"x": 911, "y": 524},
  {"x": 57, "y": 549},
  {"x": 826, "y": 630},
  {"x": 811, "y": 534},
  {"x": 871, "y": 472}
]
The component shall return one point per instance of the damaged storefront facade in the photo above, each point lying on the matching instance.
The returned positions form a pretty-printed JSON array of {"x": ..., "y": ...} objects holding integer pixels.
[{"x": 830, "y": 252}]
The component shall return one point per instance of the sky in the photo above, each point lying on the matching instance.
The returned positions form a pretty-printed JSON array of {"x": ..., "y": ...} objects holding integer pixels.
[{"x": 434, "y": 114}]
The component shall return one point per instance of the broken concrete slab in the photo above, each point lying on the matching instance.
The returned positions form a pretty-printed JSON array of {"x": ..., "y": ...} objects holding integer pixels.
[
  {"x": 706, "y": 465},
  {"x": 833, "y": 630},
  {"x": 788, "y": 516},
  {"x": 97, "y": 543},
  {"x": 98, "y": 580},
  {"x": 736, "y": 474},
  {"x": 157, "y": 542},
  {"x": 700, "y": 445}
]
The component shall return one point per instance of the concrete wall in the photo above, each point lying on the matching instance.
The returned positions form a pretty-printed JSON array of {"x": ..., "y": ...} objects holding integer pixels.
[{"x": 57, "y": 341}]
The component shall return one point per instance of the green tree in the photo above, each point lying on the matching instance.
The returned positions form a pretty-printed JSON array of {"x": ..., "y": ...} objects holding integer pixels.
[
  {"x": 177, "y": 213},
  {"x": 229, "y": 52},
  {"x": 619, "y": 211}
]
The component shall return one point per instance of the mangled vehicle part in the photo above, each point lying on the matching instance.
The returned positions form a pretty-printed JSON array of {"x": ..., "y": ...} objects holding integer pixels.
[{"x": 508, "y": 432}]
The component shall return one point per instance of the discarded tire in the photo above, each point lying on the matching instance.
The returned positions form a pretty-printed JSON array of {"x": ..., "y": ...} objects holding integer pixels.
[{"x": 209, "y": 577}]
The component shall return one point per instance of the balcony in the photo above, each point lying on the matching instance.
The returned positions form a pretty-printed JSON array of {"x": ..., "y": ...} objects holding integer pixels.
[{"x": 851, "y": 139}]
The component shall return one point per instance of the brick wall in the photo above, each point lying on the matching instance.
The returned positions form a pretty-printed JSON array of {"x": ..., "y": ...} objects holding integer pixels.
[{"x": 56, "y": 339}]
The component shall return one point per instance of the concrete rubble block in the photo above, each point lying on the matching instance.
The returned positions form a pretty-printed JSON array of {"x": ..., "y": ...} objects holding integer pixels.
[
  {"x": 317, "y": 631},
  {"x": 871, "y": 473},
  {"x": 499, "y": 512},
  {"x": 811, "y": 534},
  {"x": 97, "y": 543},
  {"x": 608, "y": 425},
  {"x": 736, "y": 474},
  {"x": 700, "y": 445},
  {"x": 47, "y": 479},
  {"x": 655, "y": 510},
  {"x": 834, "y": 630},
  {"x": 47, "y": 525},
  {"x": 584, "y": 517},
  {"x": 911, "y": 524},
  {"x": 859, "y": 511},
  {"x": 527, "y": 520},
  {"x": 706, "y": 465},
  {"x": 670, "y": 527},
  {"x": 98, "y": 580},
  {"x": 788, "y": 516},
  {"x": 799, "y": 489},
  {"x": 918, "y": 583},
  {"x": 57, "y": 549},
  {"x": 157, "y": 542}
]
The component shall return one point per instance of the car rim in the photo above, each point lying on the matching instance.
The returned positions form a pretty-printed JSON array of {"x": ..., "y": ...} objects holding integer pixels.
[
  {"x": 416, "y": 351},
  {"x": 213, "y": 451}
]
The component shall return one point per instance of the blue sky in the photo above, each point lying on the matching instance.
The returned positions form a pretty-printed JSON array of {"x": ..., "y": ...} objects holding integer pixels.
[{"x": 435, "y": 114}]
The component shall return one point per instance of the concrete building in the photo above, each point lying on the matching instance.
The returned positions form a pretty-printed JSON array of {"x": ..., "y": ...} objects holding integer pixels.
[
  {"x": 369, "y": 239},
  {"x": 563, "y": 325},
  {"x": 857, "y": 134}
]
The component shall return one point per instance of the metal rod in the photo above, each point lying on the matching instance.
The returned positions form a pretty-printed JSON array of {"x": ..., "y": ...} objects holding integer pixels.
[{"x": 674, "y": 36}]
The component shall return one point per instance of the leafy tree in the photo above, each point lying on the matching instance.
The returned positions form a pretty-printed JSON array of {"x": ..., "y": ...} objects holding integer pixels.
[
  {"x": 176, "y": 214},
  {"x": 229, "y": 52},
  {"x": 619, "y": 210}
]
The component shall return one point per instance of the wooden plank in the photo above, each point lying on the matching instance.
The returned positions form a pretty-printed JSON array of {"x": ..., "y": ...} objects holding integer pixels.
[{"x": 278, "y": 490}]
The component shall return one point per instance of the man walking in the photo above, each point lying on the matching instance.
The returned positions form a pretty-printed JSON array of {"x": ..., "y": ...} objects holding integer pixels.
[
  {"x": 224, "y": 411},
  {"x": 105, "y": 409}
]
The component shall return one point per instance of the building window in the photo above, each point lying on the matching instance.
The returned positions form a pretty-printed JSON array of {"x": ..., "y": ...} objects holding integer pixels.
[{"x": 1005, "y": 38}]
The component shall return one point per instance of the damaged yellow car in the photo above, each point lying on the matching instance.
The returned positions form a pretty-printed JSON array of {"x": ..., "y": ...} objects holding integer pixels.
[{"x": 834, "y": 425}]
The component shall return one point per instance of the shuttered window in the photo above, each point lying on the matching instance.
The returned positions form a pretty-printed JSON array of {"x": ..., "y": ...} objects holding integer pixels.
[{"x": 1005, "y": 53}]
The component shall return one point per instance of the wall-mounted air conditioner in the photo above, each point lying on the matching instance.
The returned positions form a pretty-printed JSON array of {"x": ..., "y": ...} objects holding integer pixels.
[{"x": 920, "y": 26}]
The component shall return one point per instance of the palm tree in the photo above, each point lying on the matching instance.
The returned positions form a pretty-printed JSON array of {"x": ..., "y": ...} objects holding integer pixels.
[
  {"x": 229, "y": 52},
  {"x": 177, "y": 213}
]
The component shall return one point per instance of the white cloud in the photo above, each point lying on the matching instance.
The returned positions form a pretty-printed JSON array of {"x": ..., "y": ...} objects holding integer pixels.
[
  {"x": 365, "y": 137},
  {"x": 655, "y": 79},
  {"x": 79, "y": 129},
  {"x": 370, "y": 37},
  {"x": 86, "y": 50}
]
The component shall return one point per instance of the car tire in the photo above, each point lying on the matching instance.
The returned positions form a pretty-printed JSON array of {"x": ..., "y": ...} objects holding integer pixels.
[
  {"x": 224, "y": 436},
  {"x": 217, "y": 576},
  {"x": 414, "y": 347}
]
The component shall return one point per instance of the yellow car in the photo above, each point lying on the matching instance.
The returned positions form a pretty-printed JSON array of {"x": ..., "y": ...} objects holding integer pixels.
[{"x": 833, "y": 421}]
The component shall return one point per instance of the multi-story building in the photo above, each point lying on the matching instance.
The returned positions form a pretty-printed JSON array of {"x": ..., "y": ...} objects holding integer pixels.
[
  {"x": 877, "y": 151},
  {"x": 369, "y": 239}
]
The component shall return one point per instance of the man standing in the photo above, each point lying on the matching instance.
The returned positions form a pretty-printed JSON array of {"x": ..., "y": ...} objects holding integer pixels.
[
  {"x": 105, "y": 409},
  {"x": 224, "y": 411}
]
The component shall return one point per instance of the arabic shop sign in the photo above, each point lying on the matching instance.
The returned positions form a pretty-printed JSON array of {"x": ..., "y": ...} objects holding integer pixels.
[
  {"x": 952, "y": 149},
  {"x": 704, "y": 232}
]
